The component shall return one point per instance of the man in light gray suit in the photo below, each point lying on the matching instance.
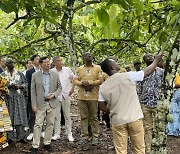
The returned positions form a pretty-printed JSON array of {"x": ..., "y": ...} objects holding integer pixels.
[{"x": 45, "y": 89}]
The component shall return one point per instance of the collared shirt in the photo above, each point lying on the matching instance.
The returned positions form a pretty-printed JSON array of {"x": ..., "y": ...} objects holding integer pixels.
[
  {"x": 150, "y": 88},
  {"x": 93, "y": 75},
  {"x": 36, "y": 69},
  {"x": 46, "y": 82},
  {"x": 66, "y": 77}
]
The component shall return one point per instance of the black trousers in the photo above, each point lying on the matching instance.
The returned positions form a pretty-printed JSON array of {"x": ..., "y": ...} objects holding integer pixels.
[
  {"x": 62, "y": 118},
  {"x": 105, "y": 117},
  {"x": 31, "y": 116}
]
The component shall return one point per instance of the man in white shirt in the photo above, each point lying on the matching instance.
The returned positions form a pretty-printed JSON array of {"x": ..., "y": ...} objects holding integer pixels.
[
  {"x": 66, "y": 77},
  {"x": 118, "y": 97}
]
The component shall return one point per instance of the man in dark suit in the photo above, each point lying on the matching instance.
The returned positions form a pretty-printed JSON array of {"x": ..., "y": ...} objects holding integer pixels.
[
  {"x": 45, "y": 89},
  {"x": 2, "y": 64},
  {"x": 31, "y": 115}
]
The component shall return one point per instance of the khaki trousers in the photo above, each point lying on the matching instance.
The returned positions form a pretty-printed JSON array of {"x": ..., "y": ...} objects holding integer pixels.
[
  {"x": 88, "y": 112},
  {"x": 47, "y": 113},
  {"x": 66, "y": 105},
  {"x": 136, "y": 132},
  {"x": 149, "y": 117}
]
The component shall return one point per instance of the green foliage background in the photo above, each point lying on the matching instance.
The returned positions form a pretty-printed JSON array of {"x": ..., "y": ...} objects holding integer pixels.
[{"x": 123, "y": 28}]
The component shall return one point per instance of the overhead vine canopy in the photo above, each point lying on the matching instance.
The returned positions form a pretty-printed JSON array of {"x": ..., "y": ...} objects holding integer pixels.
[{"x": 124, "y": 28}]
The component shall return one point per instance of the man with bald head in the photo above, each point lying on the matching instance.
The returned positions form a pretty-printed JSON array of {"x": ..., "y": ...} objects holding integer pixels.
[
  {"x": 118, "y": 97},
  {"x": 88, "y": 80}
]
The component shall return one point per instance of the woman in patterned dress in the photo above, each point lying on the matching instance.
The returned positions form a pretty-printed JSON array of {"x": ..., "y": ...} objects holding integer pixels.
[
  {"x": 16, "y": 102},
  {"x": 174, "y": 127},
  {"x": 5, "y": 122}
]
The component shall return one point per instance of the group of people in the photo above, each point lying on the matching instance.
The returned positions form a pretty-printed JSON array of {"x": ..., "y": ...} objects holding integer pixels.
[{"x": 36, "y": 96}]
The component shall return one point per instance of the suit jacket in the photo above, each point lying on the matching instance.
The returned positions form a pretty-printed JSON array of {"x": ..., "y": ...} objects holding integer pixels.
[
  {"x": 29, "y": 77},
  {"x": 37, "y": 89}
]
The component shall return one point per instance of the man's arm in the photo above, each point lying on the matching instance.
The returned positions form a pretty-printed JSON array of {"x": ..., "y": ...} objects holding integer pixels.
[
  {"x": 76, "y": 79},
  {"x": 72, "y": 89},
  {"x": 103, "y": 107},
  {"x": 177, "y": 85},
  {"x": 102, "y": 103},
  {"x": 99, "y": 79},
  {"x": 150, "y": 69},
  {"x": 59, "y": 87}
]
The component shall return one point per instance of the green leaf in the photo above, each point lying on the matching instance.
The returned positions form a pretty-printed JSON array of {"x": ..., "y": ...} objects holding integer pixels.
[
  {"x": 103, "y": 16},
  {"x": 36, "y": 36},
  {"x": 136, "y": 35},
  {"x": 42, "y": 4},
  {"x": 38, "y": 22},
  {"x": 86, "y": 11},
  {"x": 107, "y": 33},
  {"x": 114, "y": 2},
  {"x": 51, "y": 20},
  {"x": 162, "y": 37},
  {"x": 130, "y": 2},
  {"x": 8, "y": 6},
  {"x": 124, "y": 4},
  {"x": 27, "y": 21},
  {"x": 173, "y": 19},
  {"x": 114, "y": 26}
]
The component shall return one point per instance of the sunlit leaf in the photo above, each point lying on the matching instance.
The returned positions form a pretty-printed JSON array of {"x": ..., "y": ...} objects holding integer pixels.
[{"x": 103, "y": 16}]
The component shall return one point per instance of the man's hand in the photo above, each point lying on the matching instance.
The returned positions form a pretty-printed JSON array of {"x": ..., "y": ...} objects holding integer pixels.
[
  {"x": 34, "y": 109},
  {"x": 150, "y": 69},
  {"x": 71, "y": 91},
  {"x": 89, "y": 88},
  {"x": 159, "y": 56},
  {"x": 11, "y": 86},
  {"x": 85, "y": 83},
  {"x": 103, "y": 107},
  {"x": 51, "y": 96}
]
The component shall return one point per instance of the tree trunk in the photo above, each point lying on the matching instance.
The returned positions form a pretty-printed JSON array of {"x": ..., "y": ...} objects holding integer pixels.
[{"x": 159, "y": 140}]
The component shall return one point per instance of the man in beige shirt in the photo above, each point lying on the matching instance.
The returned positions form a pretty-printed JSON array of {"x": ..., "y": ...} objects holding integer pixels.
[
  {"x": 118, "y": 97},
  {"x": 88, "y": 80}
]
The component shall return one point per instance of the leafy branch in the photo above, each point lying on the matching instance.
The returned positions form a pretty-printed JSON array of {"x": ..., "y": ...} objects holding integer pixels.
[
  {"x": 85, "y": 4},
  {"x": 17, "y": 19},
  {"x": 115, "y": 40},
  {"x": 29, "y": 44}
]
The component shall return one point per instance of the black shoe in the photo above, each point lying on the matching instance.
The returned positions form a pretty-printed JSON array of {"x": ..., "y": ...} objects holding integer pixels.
[
  {"x": 48, "y": 148},
  {"x": 34, "y": 151},
  {"x": 10, "y": 141},
  {"x": 22, "y": 141}
]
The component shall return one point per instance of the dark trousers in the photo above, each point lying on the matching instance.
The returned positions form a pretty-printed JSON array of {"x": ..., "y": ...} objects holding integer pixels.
[
  {"x": 106, "y": 118},
  {"x": 62, "y": 118},
  {"x": 31, "y": 116},
  {"x": 19, "y": 133}
]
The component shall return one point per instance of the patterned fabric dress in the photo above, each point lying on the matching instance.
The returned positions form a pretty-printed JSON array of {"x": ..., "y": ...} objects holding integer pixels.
[
  {"x": 5, "y": 122},
  {"x": 16, "y": 100},
  {"x": 174, "y": 127}
]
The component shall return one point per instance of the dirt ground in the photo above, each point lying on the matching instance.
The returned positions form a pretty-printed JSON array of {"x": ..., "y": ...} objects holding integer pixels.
[{"x": 62, "y": 146}]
